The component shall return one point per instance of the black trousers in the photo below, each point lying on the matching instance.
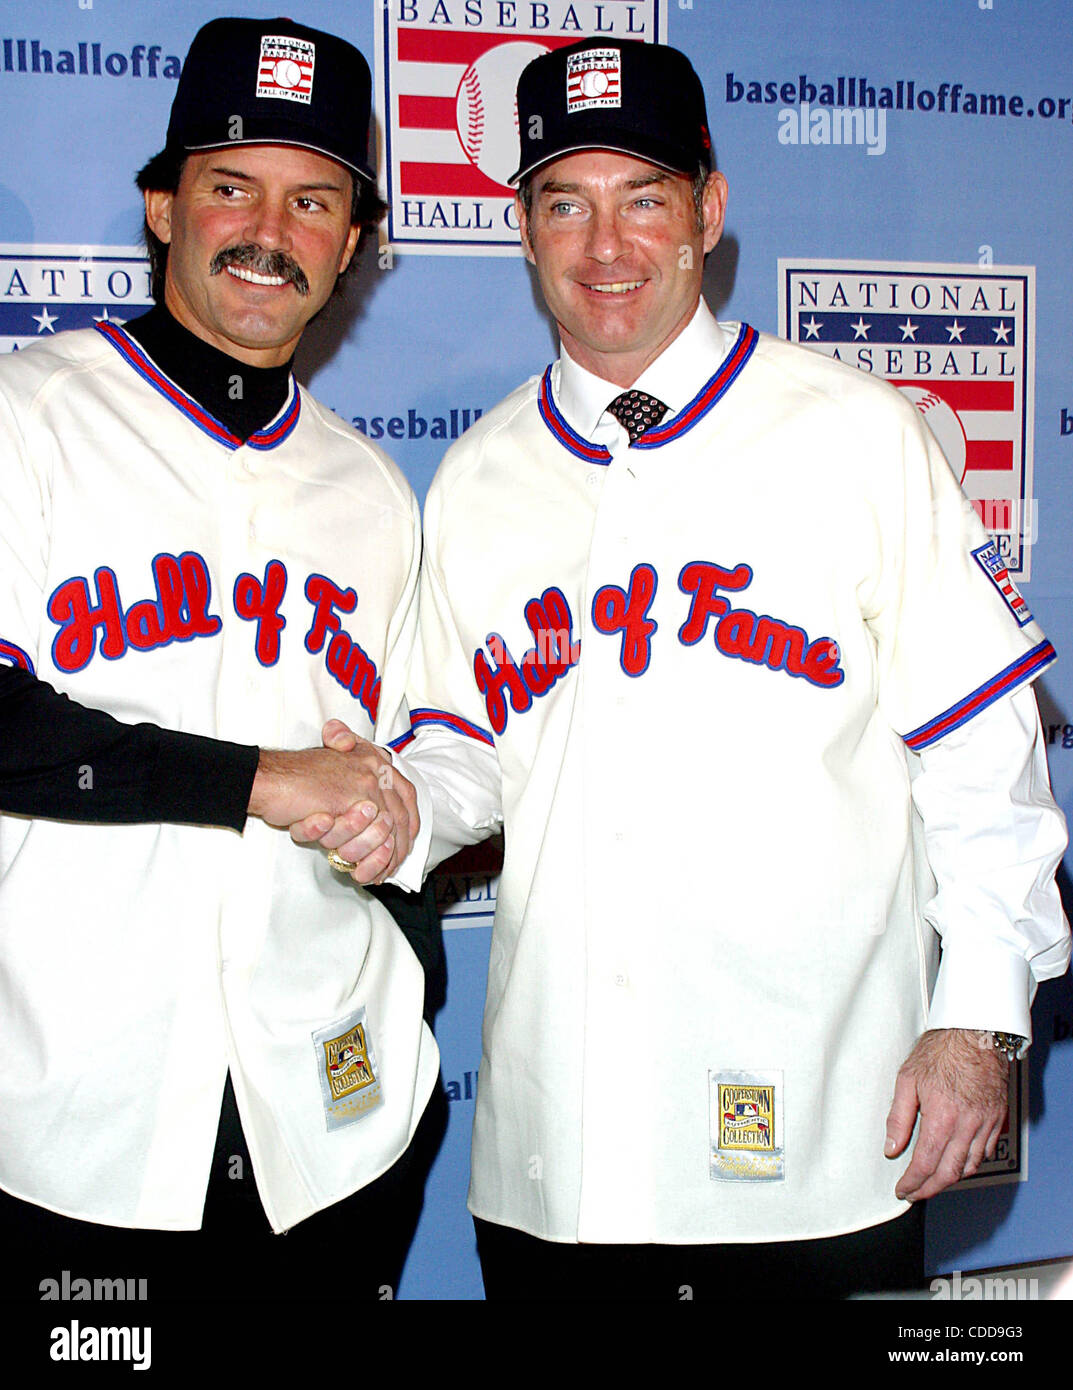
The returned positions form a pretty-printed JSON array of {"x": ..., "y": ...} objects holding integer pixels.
[
  {"x": 880, "y": 1258},
  {"x": 358, "y": 1245}
]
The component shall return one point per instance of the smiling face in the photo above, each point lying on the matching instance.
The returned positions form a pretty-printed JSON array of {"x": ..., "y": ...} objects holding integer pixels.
[
  {"x": 620, "y": 256},
  {"x": 256, "y": 235}
]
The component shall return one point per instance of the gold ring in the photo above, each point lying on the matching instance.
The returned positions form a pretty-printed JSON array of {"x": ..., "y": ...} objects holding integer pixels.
[{"x": 338, "y": 862}]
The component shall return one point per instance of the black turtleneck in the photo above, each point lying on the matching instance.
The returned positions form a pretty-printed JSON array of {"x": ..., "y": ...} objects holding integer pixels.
[{"x": 244, "y": 399}]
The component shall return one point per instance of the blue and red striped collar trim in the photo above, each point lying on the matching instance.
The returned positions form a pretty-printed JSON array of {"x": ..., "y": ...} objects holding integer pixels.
[
  {"x": 268, "y": 438},
  {"x": 713, "y": 390},
  {"x": 567, "y": 437},
  {"x": 710, "y": 393}
]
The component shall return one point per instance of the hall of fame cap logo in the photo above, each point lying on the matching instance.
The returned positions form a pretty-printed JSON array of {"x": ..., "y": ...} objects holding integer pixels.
[
  {"x": 446, "y": 80},
  {"x": 593, "y": 78},
  {"x": 45, "y": 290},
  {"x": 285, "y": 68},
  {"x": 959, "y": 342}
]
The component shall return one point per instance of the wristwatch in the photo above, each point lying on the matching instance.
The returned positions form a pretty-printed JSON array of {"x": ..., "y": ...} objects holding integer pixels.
[{"x": 1010, "y": 1044}]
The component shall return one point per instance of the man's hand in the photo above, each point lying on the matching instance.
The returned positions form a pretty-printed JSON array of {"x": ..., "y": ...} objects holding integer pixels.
[
  {"x": 346, "y": 795},
  {"x": 958, "y": 1081}
]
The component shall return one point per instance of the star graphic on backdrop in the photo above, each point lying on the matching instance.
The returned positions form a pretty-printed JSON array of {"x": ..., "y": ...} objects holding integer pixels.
[
  {"x": 1002, "y": 333},
  {"x": 812, "y": 328},
  {"x": 44, "y": 320},
  {"x": 909, "y": 330},
  {"x": 105, "y": 317},
  {"x": 955, "y": 330},
  {"x": 860, "y": 328}
]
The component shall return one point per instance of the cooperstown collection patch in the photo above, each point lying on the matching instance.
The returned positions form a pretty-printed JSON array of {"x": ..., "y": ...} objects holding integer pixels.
[
  {"x": 346, "y": 1065},
  {"x": 746, "y": 1127}
]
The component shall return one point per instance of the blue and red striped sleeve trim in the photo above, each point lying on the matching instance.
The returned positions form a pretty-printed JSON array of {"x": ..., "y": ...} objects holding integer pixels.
[
  {"x": 567, "y": 437},
  {"x": 15, "y": 656},
  {"x": 710, "y": 393},
  {"x": 422, "y": 718},
  {"x": 147, "y": 369},
  {"x": 1023, "y": 669}
]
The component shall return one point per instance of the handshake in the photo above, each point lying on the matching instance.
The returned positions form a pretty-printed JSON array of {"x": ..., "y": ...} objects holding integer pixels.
[{"x": 347, "y": 796}]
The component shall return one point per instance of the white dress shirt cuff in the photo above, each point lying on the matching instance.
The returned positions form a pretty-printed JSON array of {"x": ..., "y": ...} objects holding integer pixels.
[{"x": 410, "y": 874}]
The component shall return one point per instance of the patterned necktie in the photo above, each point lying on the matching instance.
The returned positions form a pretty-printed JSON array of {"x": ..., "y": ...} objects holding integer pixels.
[{"x": 636, "y": 412}]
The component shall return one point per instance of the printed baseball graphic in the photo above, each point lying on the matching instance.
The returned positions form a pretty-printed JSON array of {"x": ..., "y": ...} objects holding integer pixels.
[
  {"x": 287, "y": 73},
  {"x": 487, "y": 111},
  {"x": 944, "y": 425}
]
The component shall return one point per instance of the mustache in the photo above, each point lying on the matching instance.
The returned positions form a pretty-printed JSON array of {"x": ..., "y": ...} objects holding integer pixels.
[{"x": 261, "y": 262}]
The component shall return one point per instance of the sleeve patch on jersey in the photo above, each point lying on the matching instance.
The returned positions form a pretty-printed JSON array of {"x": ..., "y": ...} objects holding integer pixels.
[
  {"x": 11, "y": 655},
  {"x": 1025, "y": 668},
  {"x": 994, "y": 566}
]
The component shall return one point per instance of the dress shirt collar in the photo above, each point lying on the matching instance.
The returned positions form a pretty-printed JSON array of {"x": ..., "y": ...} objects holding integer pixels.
[{"x": 674, "y": 377}]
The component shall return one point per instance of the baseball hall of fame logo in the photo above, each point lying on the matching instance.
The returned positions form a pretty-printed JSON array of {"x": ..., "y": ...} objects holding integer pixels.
[
  {"x": 959, "y": 342},
  {"x": 47, "y": 289},
  {"x": 285, "y": 70},
  {"x": 446, "y": 76}
]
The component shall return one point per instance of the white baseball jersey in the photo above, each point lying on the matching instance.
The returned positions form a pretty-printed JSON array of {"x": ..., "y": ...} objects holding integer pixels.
[
  {"x": 155, "y": 568},
  {"x": 683, "y": 674}
]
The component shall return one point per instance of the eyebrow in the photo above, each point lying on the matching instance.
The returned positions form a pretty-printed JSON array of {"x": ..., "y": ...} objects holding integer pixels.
[
  {"x": 642, "y": 181},
  {"x": 219, "y": 171}
]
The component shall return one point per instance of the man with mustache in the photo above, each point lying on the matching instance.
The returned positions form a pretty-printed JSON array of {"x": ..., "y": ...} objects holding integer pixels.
[
  {"x": 195, "y": 552},
  {"x": 697, "y": 605}
]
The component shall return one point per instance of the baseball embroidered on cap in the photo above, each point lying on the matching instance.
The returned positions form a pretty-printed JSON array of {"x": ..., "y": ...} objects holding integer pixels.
[
  {"x": 285, "y": 69},
  {"x": 593, "y": 78}
]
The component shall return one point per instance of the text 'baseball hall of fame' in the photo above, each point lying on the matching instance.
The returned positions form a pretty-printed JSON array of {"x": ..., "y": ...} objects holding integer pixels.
[
  {"x": 959, "y": 342},
  {"x": 446, "y": 76}
]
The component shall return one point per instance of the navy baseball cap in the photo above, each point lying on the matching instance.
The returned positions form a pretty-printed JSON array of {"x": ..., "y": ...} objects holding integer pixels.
[
  {"x": 273, "y": 82},
  {"x": 635, "y": 98}
]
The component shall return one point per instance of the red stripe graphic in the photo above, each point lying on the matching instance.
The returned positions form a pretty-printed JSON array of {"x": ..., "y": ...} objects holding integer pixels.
[
  {"x": 967, "y": 395},
  {"x": 989, "y": 455},
  {"x": 449, "y": 180},
  {"x": 435, "y": 46},
  {"x": 427, "y": 113}
]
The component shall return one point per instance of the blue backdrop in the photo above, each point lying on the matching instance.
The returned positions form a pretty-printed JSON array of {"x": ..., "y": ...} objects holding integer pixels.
[{"x": 954, "y": 151}]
